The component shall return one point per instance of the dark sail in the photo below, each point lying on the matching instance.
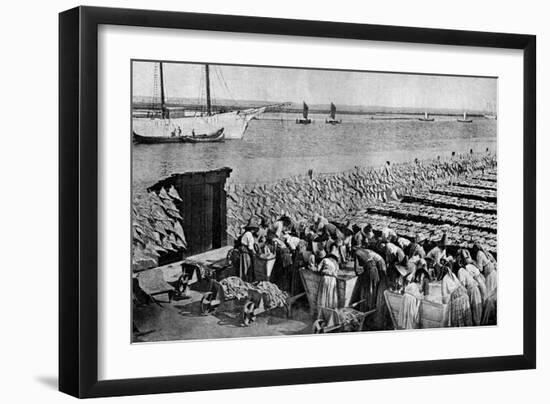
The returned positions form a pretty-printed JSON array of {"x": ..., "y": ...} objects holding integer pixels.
[
  {"x": 305, "y": 111},
  {"x": 332, "y": 110}
]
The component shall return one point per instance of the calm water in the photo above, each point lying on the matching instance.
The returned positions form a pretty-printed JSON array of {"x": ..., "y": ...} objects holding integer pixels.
[{"x": 276, "y": 147}]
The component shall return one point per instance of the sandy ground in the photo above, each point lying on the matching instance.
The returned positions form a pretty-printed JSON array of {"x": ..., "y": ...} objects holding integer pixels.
[{"x": 182, "y": 320}]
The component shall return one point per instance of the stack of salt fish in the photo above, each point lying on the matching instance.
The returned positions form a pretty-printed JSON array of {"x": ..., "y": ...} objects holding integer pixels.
[
  {"x": 467, "y": 193},
  {"x": 235, "y": 288},
  {"x": 434, "y": 215},
  {"x": 456, "y": 235},
  {"x": 156, "y": 227},
  {"x": 471, "y": 183},
  {"x": 338, "y": 194},
  {"x": 451, "y": 202},
  {"x": 350, "y": 319}
]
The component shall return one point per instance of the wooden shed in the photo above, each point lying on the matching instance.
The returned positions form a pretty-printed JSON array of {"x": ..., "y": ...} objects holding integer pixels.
[{"x": 203, "y": 207}]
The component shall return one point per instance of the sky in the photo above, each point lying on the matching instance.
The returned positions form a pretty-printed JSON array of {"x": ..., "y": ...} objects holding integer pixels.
[{"x": 394, "y": 90}]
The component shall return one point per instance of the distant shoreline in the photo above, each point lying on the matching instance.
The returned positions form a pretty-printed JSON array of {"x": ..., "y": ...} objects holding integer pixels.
[{"x": 147, "y": 107}]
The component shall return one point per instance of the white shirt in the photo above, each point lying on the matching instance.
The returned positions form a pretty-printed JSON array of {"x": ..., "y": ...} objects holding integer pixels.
[{"x": 248, "y": 240}]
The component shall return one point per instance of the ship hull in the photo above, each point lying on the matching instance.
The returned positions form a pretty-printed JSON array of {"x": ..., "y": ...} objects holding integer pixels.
[{"x": 234, "y": 124}]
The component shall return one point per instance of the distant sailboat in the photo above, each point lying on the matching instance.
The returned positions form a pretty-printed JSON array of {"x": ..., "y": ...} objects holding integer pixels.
[
  {"x": 426, "y": 118},
  {"x": 332, "y": 118},
  {"x": 489, "y": 108},
  {"x": 233, "y": 123},
  {"x": 464, "y": 119},
  {"x": 304, "y": 120}
]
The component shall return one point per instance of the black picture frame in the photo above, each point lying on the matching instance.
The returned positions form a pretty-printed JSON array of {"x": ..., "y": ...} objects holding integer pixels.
[{"x": 78, "y": 196}]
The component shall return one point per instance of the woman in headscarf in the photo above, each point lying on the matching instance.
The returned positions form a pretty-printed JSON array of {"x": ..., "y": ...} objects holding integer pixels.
[
  {"x": 328, "y": 294},
  {"x": 395, "y": 260},
  {"x": 412, "y": 297},
  {"x": 436, "y": 256},
  {"x": 483, "y": 258},
  {"x": 302, "y": 258},
  {"x": 281, "y": 274},
  {"x": 456, "y": 296},
  {"x": 473, "y": 270},
  {"x": 472, "y": 286},
  {"x": 490, "y": 309},
  {"x": 416, "y": 248},
  {"x": 370, "y": 267},
  {"x": 281, "y": 226}
]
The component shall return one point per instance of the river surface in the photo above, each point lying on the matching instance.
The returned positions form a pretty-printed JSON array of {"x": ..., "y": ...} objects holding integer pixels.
[{"x": 275, "y": 147}]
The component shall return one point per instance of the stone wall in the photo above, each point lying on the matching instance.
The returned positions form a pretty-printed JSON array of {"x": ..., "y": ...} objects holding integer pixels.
[{"x": 339, "y": 194}]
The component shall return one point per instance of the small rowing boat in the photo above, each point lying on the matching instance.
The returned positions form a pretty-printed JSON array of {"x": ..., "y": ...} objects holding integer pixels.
[{"x": 217, "y": 136}]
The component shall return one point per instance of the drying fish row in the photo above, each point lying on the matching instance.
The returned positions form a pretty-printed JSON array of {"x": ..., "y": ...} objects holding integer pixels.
[
  {"x": 451, "y": 202},
  {"x": 466, "y": 193},
  {"x": 481, "y": 184},
  {"x": 456, "y": 235},
  {"x": 434, "y": 215},
  {"x": 486, "y": 177}
]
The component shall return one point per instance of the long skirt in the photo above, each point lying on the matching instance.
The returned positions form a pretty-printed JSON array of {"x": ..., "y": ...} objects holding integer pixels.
[
  {"x": 476, "y": 304},
  {"x": 490, "y": 312},
  {"x": 282, "y": 269},
  {"x": 365, "y": 291},
  {"x": 460, "y": 312},
  {"x": 382, "y": 319},
  {"x": 409, "y": 316},
  {"x": 246, "y": 267},
  {"x": 328, "y": 294}
]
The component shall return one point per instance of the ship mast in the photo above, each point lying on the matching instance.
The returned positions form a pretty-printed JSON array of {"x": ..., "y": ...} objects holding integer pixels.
[
  {"x": 162, "y": 96},
  {"x": 208, "y": 101}
]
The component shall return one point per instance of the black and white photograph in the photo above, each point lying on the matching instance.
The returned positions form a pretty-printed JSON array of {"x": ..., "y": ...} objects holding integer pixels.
[{"x": 279, "y": 201}]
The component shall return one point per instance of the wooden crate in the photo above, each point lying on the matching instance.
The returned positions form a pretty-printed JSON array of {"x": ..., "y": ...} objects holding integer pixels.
[
  {"x": 345, "y": 285},
  {"x": 431, "y": 314},
  {"x": 263, "y": 267}
]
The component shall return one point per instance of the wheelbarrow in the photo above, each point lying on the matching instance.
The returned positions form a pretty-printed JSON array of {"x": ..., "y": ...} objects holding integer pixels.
[{"x": 249, "y": 305}]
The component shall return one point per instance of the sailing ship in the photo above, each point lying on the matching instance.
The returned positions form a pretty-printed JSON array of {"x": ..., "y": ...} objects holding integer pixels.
[
  {"x": 208, "y": 124},
  {"x": 304, "y": 120},
  {"x": 332, "y": 118},
  {"x": 464, "y": 118},
  {"x": 426, "y": 118}
]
